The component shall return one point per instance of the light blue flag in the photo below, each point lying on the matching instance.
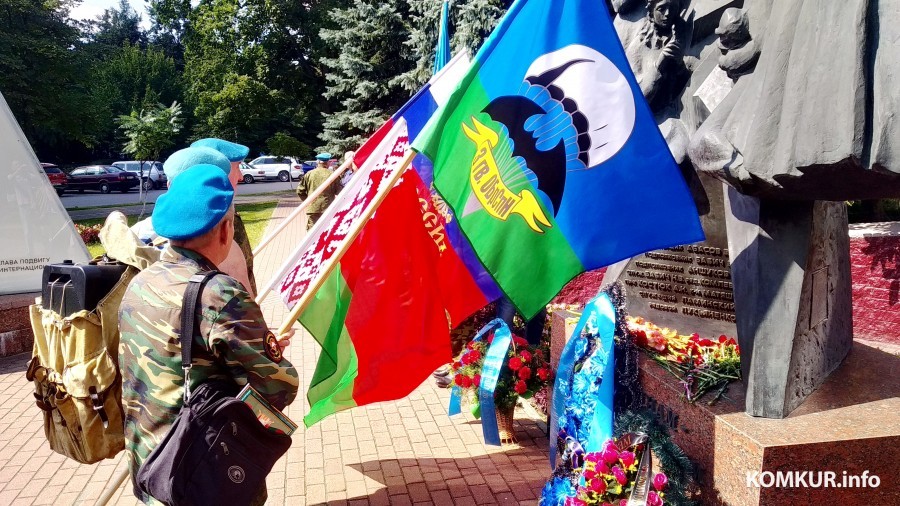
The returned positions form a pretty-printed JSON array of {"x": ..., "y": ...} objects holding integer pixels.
[{"x": 442, "y": 54}]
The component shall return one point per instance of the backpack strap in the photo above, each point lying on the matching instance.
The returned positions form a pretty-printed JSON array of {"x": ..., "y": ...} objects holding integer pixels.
[{"x": 190, "y": 323}]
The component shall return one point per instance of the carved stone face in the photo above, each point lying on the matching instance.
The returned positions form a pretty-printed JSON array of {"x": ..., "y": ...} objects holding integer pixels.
[{"x": 663, "y": 12}]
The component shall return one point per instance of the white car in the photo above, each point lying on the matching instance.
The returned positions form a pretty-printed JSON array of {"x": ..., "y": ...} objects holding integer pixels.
[
  {"x": 154, "y": 176},
  {"x": 251, "y": 174},
  {"x": 281, "y": 168}
]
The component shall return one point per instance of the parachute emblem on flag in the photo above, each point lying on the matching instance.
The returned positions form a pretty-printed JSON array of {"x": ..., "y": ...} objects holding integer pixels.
[{"x": 574, "y": 111}]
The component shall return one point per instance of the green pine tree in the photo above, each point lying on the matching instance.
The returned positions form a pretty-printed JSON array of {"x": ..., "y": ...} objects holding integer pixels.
[
  {"x": 470, "y": 22},
  {"x": 364, "y": 75},
  {"x": 117, "y": 26},
  {"x": 476, "y": 20},
  {"x": 425, "y": 18}
]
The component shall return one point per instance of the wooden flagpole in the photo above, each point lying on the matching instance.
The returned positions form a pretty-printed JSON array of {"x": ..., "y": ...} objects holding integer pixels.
[
  {"x": 332, "y": 262},
  {"x": 296, "y": 212}
]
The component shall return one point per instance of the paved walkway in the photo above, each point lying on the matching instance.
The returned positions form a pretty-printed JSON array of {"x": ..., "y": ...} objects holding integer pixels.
[{"x": 404, "y": 452}]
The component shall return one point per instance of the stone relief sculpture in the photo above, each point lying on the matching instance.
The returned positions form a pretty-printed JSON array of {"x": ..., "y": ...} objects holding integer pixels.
[
  {"x": 817, "y": 117},
  {"x": 739, "y": 51},
  {"x": 795, "y": 105},
  {"x": 655, "y": 49}
]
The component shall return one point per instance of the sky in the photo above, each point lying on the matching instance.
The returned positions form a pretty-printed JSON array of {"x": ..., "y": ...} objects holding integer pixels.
[{"x": 90, "y": 9}]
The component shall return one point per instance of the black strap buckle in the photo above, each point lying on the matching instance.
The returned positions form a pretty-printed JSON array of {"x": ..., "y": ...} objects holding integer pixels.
[{"x": 97, "y": 404}]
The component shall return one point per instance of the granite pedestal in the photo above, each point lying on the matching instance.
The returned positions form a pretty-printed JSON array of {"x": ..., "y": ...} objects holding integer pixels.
[
  {"x": 15, "y": 326},
  {"x": 849, "y": 424}
]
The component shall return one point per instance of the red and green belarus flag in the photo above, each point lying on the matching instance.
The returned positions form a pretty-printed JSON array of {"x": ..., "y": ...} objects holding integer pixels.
[
  {"x": 382, "y": 316},
  {"x": 383, "y": 310}
]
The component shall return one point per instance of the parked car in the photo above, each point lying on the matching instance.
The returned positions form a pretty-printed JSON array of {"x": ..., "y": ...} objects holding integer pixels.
[
  {"x": 308, "y": 165},
  {"x": 104, "y": 178},
  {"x": 154, "y": 175},
  {"x": 57, "y": 177},
  {"x": 281, "y": 168},
  {"x": 250, "y": 174}
]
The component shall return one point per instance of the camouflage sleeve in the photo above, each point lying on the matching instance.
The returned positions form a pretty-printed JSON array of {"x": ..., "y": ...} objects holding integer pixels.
[
  {"x": 123, "y": 245},
  {"x": 237, "y": 334},
  {"x": 243, "y": 240},
  {"x": 302, "y": 189}
]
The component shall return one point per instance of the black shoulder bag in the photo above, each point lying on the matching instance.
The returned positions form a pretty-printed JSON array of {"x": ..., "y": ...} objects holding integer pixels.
[{"x": 216, "y": 452}]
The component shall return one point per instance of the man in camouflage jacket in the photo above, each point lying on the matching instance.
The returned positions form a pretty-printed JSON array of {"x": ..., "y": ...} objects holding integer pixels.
[
  {"x": 234, "y": 342},
  {"x": 308, "y": 184}
]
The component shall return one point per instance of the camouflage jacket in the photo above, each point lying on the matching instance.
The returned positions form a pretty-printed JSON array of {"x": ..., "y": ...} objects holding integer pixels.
[
  {"x": 242, "y": 240},
  {"x": 312, "y": 180},
  {"x": 231, "y": 345}
]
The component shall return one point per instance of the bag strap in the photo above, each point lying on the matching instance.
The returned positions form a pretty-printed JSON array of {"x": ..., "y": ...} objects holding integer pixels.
[{"x": 189, "y": 323}]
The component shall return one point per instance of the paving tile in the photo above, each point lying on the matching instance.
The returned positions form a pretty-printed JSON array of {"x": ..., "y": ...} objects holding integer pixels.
[{"x": 442, "y": 498}]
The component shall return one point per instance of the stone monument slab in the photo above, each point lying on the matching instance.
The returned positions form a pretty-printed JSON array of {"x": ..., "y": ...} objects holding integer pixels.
[
  {"x": 792, "y": 285},
  {"x": 687, "y": 288}
]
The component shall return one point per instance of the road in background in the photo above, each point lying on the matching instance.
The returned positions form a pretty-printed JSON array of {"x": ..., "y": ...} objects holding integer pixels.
[{"x": 93, "y": 198}]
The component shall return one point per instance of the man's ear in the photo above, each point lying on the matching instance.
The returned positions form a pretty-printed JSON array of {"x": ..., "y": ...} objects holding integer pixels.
[{"x": 223, "y": 232}]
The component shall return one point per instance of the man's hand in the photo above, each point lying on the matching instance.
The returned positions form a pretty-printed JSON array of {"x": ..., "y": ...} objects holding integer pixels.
[{"x": 285, "y": 339}]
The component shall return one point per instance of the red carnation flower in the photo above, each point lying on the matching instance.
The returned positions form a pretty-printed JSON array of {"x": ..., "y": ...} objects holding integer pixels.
[
  {"x": 457, "y": 365},
  {"x": 543, "y": 374},
  {"x": 520, "y": 341},
  {"x": 515, "y": 363},
  {"x": 598, "y": 486},
  {"x": 640, "y": 336},
  {"x": 526, "y": 356},
  {"x": 465, "y": 382},
  {"x": 524, "y": 373},
  {"x": 477, "y": 380},
  {"x": 705, "y": 342},
  {"x": 521, "y": 387},
  {"x": 458, "y": 379},
  {"x": 476, "y": 355},
  {"x": 723, "y": 338}
]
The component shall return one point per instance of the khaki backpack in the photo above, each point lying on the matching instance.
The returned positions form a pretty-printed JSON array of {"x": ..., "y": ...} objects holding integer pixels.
[{"x": 74, "y": 367}]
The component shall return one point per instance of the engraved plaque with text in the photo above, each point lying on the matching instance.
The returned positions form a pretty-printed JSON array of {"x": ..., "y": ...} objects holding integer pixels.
[{"x": 687, "y": 288}]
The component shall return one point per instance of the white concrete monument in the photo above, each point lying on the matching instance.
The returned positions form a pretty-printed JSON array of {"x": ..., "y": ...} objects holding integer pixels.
[{"x": 35, "y": 229}]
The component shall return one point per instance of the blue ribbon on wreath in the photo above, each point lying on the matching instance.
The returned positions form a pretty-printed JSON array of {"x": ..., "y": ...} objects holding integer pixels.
[
  {"x": 583, "y": 399},
  {"x": 456, "y": 392},
  {"x": 490, "y": 374}
]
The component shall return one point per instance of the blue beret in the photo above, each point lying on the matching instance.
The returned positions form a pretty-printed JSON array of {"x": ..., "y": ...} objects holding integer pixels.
[
  {"x": 234, "y": 152},
  {"x": 323, "y": 156},
  {"x": 184, "y": 159},
  {"x": 195, "y": 203}
]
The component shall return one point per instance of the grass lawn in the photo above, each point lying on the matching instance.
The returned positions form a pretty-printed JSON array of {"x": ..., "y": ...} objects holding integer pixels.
[{"x": 256, "y": 217}]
